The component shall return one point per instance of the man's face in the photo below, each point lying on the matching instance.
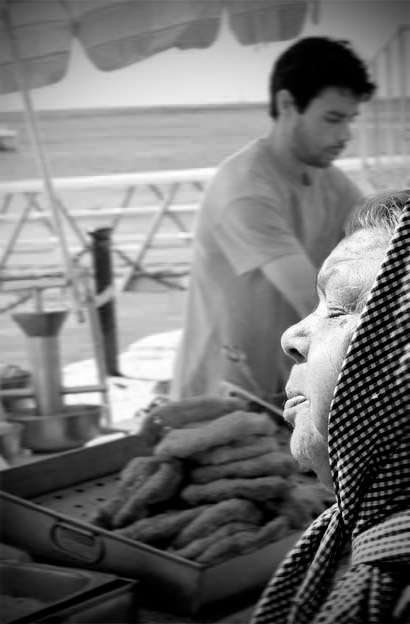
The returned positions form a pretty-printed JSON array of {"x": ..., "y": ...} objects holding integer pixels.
[
  {"x": 318, "y": 344},
  {"x": 321, "y": 132}
]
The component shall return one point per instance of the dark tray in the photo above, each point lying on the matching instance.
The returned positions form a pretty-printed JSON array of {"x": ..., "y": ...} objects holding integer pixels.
[
  {"x": 35, "y": 592},
  {"x": 45, "y": 506}
]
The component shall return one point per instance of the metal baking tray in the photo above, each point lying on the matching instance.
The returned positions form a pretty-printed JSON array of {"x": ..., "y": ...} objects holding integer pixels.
[
  {"x": 36, "y": 592},
  {"x": 45, "y": 506}
]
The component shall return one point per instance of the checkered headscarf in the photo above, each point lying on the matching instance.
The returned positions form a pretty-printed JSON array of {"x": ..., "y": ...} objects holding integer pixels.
[{"x": 369, "y": 442}]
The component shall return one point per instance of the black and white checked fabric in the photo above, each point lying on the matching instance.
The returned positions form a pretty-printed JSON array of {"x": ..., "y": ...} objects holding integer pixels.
[{"x": 369, "y": 450}]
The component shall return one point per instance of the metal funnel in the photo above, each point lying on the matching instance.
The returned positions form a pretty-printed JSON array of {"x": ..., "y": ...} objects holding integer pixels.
[{"x": 42, "y": 329}]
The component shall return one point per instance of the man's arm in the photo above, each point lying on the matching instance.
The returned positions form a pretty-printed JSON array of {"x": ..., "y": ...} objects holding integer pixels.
[
  {"x": 295, "y": 278},
  {"x": 255, "y": 235}
]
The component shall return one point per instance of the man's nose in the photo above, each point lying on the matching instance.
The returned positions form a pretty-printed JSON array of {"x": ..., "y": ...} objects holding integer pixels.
[
  {"x": 295, "y": 342},
  {"x": 345, "y": 133}
]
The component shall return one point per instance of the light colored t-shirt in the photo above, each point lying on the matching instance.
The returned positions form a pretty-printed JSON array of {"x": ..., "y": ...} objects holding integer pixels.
[{"x": 253, "y": 213}]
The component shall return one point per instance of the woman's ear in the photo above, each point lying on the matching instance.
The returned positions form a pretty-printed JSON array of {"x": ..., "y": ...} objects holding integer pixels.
[{"x": 285, "y": 103}]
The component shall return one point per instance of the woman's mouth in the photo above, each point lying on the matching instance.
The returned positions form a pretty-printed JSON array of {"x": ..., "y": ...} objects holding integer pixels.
[{"x": 289, "y": 411}]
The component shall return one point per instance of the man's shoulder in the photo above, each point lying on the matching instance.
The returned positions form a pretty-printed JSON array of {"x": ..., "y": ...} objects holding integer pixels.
[
  {"x": 249, "y": 168},
  {"x": 245, "y": 156}
]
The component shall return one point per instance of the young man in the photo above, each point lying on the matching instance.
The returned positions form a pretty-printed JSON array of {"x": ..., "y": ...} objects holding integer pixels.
[
  {"x": 269, "y": 218},
  {"x": 349, "y": 404}
]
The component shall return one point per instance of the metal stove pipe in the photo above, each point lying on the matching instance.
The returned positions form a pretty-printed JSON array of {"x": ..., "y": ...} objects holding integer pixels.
[{"x": 42, "y": 329}]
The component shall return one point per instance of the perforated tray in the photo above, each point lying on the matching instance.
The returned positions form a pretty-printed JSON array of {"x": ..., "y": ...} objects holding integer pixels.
[
  {"x": 80, "y": 501},
  {"x": 45, "y": 507}
]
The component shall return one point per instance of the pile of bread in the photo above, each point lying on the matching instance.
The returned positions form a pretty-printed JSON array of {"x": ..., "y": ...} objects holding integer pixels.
[{"x": 219, "y": 482}]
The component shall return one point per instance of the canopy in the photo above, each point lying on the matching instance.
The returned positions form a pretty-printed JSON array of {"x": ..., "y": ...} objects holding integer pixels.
[{"x": 117, "y": 33}]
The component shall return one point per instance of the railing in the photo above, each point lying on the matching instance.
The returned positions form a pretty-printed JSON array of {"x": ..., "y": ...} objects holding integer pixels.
[{"x": 150, "y": 215}]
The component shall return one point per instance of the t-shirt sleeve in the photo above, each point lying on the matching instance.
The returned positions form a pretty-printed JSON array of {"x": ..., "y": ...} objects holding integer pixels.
[{"x": 253, "y": 232}]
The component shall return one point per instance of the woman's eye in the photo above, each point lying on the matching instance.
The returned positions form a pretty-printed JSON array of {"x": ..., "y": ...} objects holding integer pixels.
[{"x": 335, "y": 312}]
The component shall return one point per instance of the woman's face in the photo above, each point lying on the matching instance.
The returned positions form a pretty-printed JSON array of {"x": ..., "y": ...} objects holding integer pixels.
[{"x": 318, "y": 344}]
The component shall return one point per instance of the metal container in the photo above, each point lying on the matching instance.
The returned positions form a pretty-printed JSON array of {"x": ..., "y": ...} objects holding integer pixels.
[
  {"x": 34, "y": 593},
  {"x": 73, "y": 427},
  {"x": 10, "y": 439},
  {"x": 46, "y": 507},
  {"x": 42, "y": 329},
  {"x": 12, "y": 378}
]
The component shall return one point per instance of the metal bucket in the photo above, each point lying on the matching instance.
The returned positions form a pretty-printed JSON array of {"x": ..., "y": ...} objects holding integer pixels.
[{"x": 73, "y": 427}]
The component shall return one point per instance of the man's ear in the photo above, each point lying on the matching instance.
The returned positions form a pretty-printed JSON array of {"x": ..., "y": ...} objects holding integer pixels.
[{"x": 285, "y": 103}]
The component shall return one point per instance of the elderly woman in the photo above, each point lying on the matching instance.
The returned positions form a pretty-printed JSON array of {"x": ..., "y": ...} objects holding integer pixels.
[{"x": 349, "y": 405}]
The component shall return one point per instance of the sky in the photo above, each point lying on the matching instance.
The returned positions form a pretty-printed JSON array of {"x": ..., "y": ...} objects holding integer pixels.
[{"x": 224, "y": 73}]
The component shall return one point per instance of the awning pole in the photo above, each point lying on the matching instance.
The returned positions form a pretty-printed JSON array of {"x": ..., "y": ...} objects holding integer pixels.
[{"x": 42, "y": 160}]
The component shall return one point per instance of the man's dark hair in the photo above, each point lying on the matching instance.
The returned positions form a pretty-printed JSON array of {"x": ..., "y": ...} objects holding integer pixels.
[{"x": 313, "y": 64}]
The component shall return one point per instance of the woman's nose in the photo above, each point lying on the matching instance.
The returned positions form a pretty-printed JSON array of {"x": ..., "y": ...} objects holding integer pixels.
[{"x": 295, "y": 342}]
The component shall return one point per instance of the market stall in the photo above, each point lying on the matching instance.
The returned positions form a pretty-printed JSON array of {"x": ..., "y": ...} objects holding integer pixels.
[
  {"x": 198, "y": 507},
  {"x": 59, "y": 497}
]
